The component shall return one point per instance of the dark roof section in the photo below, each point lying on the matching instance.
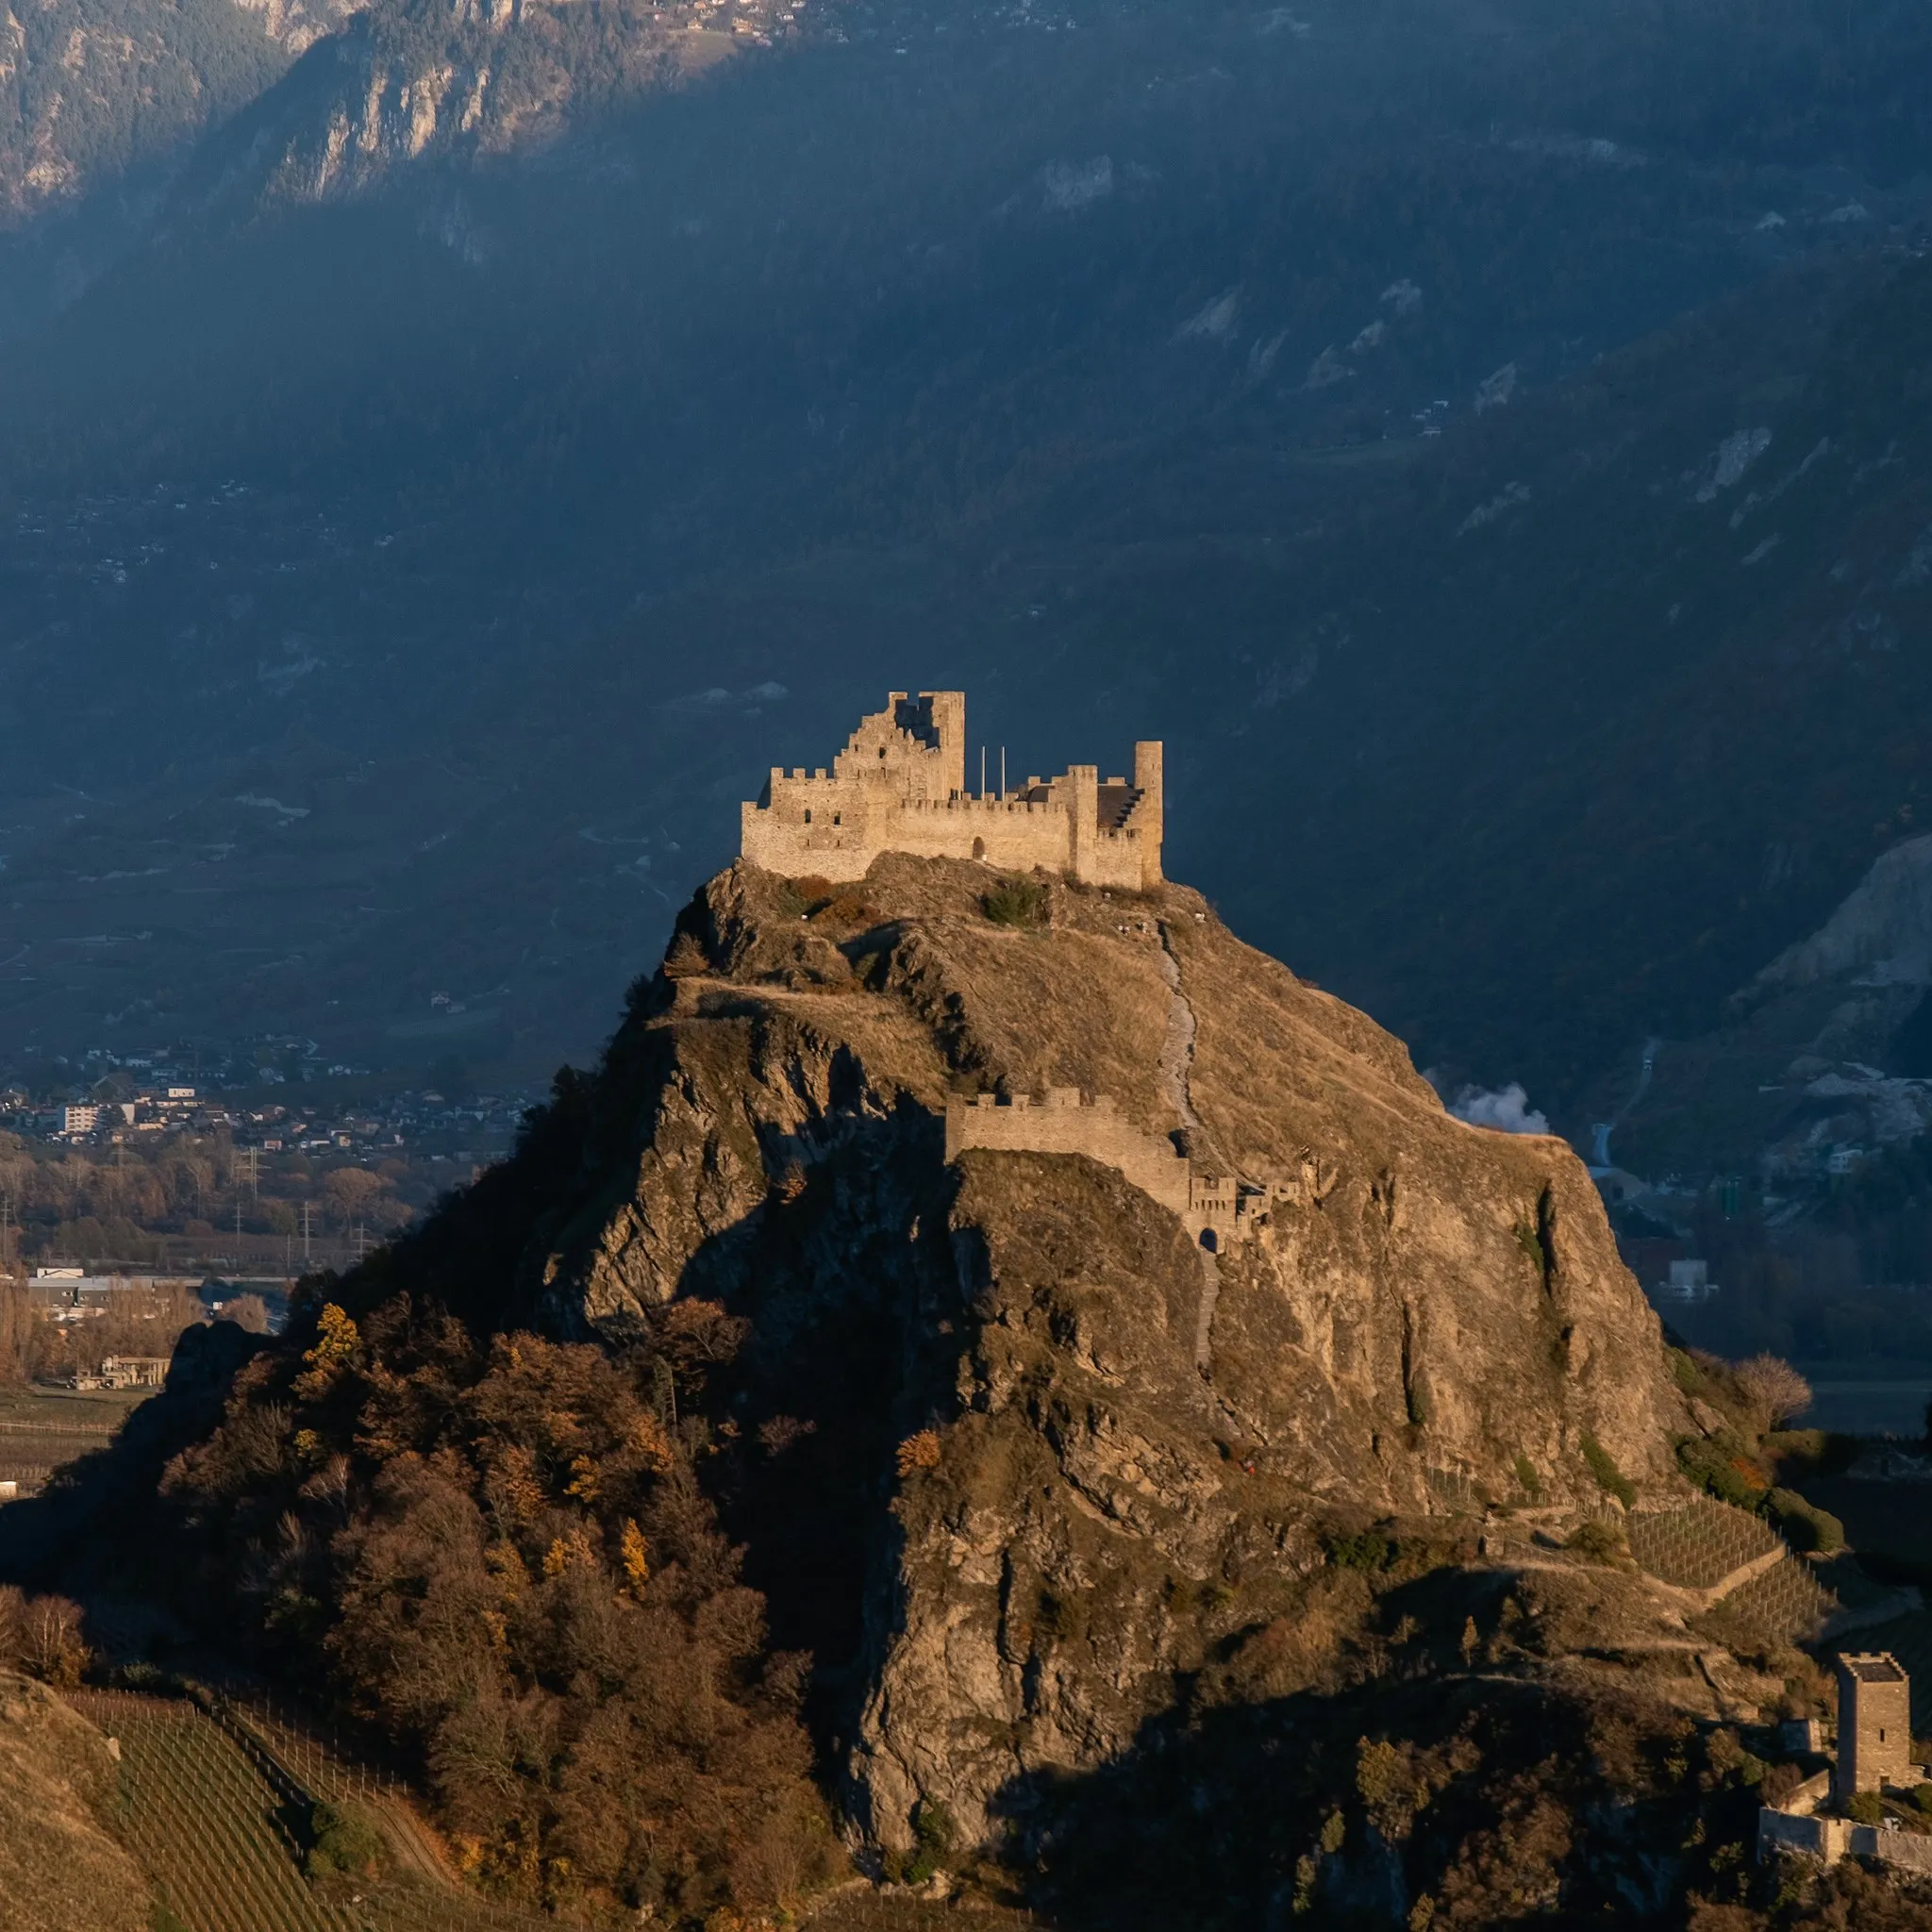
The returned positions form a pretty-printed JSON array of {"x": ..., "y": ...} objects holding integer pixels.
[{"x": 1878, "y": 1667}]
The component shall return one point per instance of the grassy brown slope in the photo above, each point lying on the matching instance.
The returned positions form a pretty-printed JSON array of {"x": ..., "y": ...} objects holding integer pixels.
[{"x": 60, "y": 1869}]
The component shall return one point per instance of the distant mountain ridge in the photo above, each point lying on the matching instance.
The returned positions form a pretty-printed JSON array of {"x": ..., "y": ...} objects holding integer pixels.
[
  {"x": 499, "y": 495},
  {"x": 406, "y": 83}
]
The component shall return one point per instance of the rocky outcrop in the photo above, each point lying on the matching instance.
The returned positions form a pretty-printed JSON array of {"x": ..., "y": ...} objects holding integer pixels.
[
  {"x": 1882, "y": 932},
  {"x": 1077, "y": 1434},
  {"x": 387, "y": 90}
]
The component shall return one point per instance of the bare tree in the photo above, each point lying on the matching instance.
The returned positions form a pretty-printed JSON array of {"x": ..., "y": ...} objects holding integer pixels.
[
  {"x": 1774, "y": 1388},
  {"x": 51, "y": 1644},
  {"x": 247, "y": 1311}
]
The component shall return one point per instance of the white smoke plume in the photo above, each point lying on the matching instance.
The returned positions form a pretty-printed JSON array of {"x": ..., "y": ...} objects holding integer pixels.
[{"x": 1507, "y": 1109}]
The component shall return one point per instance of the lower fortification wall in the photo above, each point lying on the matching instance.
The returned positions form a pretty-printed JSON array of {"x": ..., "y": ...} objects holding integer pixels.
[
  {"x": 1064, "y": 1124},
  {"x": 1824, "y": 1838},
  {"x": 1828, "y": 1839}
]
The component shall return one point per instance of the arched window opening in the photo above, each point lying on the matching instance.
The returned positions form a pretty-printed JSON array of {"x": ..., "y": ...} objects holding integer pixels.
[{"x": 1209, "y": 1242}]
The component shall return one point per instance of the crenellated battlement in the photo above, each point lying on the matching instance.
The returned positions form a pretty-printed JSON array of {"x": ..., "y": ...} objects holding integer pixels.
[{"x": 899, "y": 786}]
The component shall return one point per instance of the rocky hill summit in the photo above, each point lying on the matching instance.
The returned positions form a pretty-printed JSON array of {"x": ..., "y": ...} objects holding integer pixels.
[
  {"x": 1094, "y": 1412},
  {"x": 1224, "y": 1475}
]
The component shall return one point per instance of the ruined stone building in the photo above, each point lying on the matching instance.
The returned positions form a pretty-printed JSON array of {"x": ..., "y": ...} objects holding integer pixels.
[
  {"x": 899, "y": 786},
  {"x": 1875, "y": 1754}
]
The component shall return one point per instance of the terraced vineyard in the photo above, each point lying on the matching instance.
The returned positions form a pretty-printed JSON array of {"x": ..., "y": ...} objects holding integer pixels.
[
  {"x": 210, "y": 1810},
  {"x": 1699, "y": 1546},
  {"x": 204, "y": 1824},
  {"x": 212, "y": 1823},
  {"x": 1786, "y": 1602}
]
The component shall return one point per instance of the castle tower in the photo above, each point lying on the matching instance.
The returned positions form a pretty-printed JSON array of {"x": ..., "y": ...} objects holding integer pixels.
[
  {"x": 1082, "y": 791},
  {"x": 946, "y": 720},
  {"x": 1149, "y": 818},
  {"x": 1874, "y": 1723}
]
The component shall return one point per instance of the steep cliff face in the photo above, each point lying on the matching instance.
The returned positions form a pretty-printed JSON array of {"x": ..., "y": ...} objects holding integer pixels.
[
  {"x": 397, "y": 84},
  {"x": 1085, "y": 1433}
]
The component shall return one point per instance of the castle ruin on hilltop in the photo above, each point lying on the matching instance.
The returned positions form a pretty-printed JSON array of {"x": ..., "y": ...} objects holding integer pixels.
[{"x": 899, "y": 786}]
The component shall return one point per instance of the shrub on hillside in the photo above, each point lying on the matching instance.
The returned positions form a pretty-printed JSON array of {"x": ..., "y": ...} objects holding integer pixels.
[
  {"x": 1020, "y": 902},
  {"x": 1719, "y": 1465},
  {"x": 1608, "y": 1477},
  {"x": 342, "y": 1844},
  {"x": 1805, "y": 1527},
  {"x": 1775, "y": 1389},
  {"x": 1367, "y": 1550},
  {"x": 42, "y": 1635},
  {"x": 1816, "y": 1451},
  {"x": 1597, "y": 1541},
  {"x": 798, "y": 897},
  {"x": 935, "y": 1836}
]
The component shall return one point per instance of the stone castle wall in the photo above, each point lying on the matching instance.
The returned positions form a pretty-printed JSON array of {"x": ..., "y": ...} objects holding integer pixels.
[
  {"x": 1063, "y": 1123},
  {"x": 1828, "y": 1839},
  {"x": 1215, "y": 1209},
  {"x": 899, "y": 785}
]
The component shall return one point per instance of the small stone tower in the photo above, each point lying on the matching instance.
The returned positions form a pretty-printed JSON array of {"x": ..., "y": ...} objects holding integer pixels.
[{"x": 1874, "y": 1723}]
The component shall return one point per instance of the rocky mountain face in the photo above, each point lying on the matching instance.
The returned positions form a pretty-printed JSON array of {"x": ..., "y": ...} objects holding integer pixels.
[
  {"x": 1096, "y": 1421},
  {"x": 89, "y": 95},
  {"x": 400, "y": 85},
  {"x": 1826, "y": 1050}
]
